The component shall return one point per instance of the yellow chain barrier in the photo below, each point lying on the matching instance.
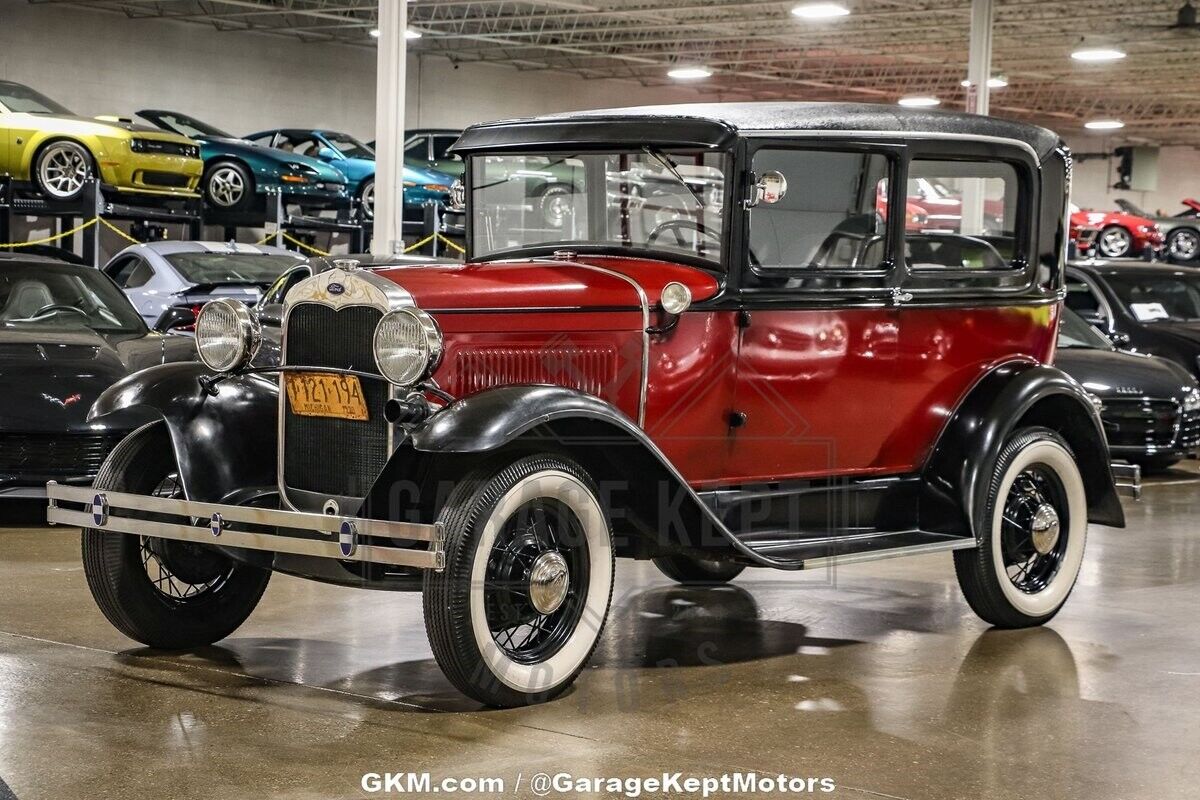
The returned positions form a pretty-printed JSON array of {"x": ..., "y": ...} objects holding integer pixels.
[
  {"x": 440, "y": 237},
  {"x": 315, "y": 250},
  {"x": 56, "y": 237},
  {"x": 116, "y": 230}
]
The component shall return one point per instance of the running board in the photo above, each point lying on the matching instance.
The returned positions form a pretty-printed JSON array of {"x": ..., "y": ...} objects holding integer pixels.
[{"x": 850, "y": 549}]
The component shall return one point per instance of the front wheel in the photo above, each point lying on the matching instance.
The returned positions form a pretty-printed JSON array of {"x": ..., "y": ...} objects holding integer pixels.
[
  {"x": 62, "y": 169},
  {"x": 1115, "y": 242},
  {"x": 1184, "y": 244},
  {"x": 366, "y": 199},
  {"x": 519, "y": 607},
  {"x": 1035, "y": 526},
  {"x": 163, "y": 593},
  {"x": 229, "y": 186}
]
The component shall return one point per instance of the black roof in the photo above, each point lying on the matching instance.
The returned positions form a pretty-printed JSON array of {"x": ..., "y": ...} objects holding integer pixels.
[{"x": 716, "y": 125}]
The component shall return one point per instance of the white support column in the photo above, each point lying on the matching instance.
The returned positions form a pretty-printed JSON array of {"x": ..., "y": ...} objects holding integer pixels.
[
  {"x": 979, "y": 71},
  {"x": 389, "y": 128}
]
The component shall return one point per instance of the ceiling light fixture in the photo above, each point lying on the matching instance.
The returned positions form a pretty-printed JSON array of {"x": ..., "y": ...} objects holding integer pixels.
[
  {"x": 993, "y": 83},
  {"x": 409, "y": 33},
  {"x": 1098, "y": 54},
  {"x": 689, "y": 73},
  {"x": 375, "y": 33},
  {"x": 919, "y": 102},
  {"x": 820, "y": 11},
  {"x": 1104, "y": 125}
]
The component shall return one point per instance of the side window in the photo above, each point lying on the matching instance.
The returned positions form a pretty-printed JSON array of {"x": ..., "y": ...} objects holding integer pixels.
[
  {"x": 961, "y": 215},
  {"x": 1083, "y": 301},
  {"x": 830, "y": 217},
  {"x": 121, "y": 270},
  {"x": 140, "y": 276},
  {"x": 440, "y": 145},
  {"x": 417, "y": 150},
  {"x": 263, "y": 138}
]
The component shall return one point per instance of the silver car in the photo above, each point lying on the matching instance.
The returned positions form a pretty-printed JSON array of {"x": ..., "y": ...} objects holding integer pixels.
[{"x": 168, "y": 281}]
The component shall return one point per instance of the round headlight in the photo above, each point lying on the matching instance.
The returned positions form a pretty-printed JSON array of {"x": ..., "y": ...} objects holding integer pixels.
[
  {"x": 227, "y": 335},
  {"x": 408, "y": 346},
  {"x": 675, "y": 298}
]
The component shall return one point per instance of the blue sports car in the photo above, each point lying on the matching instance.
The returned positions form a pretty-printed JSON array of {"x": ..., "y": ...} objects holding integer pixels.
[{"x": 356, "y": 161}]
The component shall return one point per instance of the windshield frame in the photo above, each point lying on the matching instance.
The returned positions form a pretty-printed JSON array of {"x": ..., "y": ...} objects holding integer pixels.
[
  {"x": 155, "y": 118},
  {"x": 729, "y": 216},
  {"x": 132, "y": 322},
  {"x": 55, "y": 108}
]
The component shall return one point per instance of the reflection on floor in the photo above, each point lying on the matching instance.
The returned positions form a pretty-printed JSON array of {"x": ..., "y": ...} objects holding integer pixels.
[{"x": 876, "y": 675}]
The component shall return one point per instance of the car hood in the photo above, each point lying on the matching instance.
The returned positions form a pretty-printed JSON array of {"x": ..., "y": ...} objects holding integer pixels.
[
  {"x": 49, "y": 380},
  {"x": 423, "y": 175},
  {"x": 248, "y": 149},
  {"x": 98, "y": 126},
  {"x": 1109, "y": 373},
  {"x": 588, "y": 282}
]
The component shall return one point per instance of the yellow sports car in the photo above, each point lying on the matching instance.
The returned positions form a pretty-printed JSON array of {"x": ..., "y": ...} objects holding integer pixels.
[{"x": 45, "y": 144}]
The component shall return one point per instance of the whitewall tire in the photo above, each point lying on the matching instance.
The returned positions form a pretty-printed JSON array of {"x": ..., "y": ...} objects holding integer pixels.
[
  {"x": 519, "y": 608},
  {"x": 1035, "y": 531}
]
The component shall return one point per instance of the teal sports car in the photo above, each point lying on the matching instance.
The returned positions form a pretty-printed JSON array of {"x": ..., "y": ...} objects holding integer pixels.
[
  {"x": 356, "y": 161},
  {"x": 238, "y": 173}
]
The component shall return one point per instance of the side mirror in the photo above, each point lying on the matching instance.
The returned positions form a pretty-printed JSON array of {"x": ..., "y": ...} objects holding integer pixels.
[
  {"x": 769, "y": 188},
  {"x": 327, "y": 154},
  {"x": 176, "y": 318}
]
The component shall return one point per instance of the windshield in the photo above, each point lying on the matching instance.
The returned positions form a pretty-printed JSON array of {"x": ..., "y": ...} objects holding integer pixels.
[
  {"x": 349, "y": 146},
  {"x": 230, "y": 267},
  {"x": 1130, "y": 208},
  {"x": 1174, "y": 296},
  {"x": 45, "y": 294},
  {"x": 183, "y": 124},
  {"x": 643, "y": 200},
  {"x": 18, "y": 98},
  {"x": 1074, "y": 332}
]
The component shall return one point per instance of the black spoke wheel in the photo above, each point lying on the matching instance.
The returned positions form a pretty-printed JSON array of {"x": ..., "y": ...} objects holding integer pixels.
[
  {"x": 163, "y": 593},
  {"x": 518, "y": 609},
  {"x": 1031, "y": 533}
]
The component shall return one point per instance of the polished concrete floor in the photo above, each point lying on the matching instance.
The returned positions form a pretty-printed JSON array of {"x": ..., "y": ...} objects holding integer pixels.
[{"x": 877, "y": 676}]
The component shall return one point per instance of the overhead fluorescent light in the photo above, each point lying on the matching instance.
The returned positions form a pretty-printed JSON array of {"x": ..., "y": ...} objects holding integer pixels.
[
  {"x": 820, "y": 10},
  {"x": 689, "y": 73},
  {"x": 919, "y": 102},
  {"x": 993, "y": 83},
  {"x": 1098, "y": 54},
  {"x": 409, "y": 33},
  {"x": 1104, "y": 125}
]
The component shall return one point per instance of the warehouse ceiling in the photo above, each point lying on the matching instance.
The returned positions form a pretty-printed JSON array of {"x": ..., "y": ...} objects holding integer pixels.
[{"x": 756, "y": 49}]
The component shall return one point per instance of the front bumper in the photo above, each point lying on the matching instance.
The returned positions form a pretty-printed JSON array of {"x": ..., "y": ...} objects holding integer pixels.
[
  {"x": 151, "y": 173},
  {"x": 299, "y": 533}
]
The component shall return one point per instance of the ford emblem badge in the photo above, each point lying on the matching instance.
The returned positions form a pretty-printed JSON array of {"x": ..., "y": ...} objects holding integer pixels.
[{"x": 336, "y": 288}]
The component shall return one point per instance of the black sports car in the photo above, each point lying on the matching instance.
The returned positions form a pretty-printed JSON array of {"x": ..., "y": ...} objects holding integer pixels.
[
  {"x": 1148, "y": 308},
  {"x": 1151, "y": 406},
  {"x": 67, "y": 333}
]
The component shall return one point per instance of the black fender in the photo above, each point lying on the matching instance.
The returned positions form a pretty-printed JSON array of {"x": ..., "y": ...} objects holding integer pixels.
[
  {"x": 651, "y": 506},
  {"x": 1014, "y": 395},
  {"x": 224, "y": 443}
]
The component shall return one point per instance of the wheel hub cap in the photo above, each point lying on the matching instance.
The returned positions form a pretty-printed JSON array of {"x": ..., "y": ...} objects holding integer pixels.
[
  {"x": 1045, "y": 528},
  {"x": 548, "y": 582}
]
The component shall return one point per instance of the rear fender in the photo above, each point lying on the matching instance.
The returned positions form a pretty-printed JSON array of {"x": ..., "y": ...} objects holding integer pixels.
[
  {"x": 1014, "y": 395},
  {"x": 225, "y": 444}
]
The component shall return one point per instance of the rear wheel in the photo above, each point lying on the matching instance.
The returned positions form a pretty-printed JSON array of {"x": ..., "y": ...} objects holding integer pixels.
[
  {"x": 1035, "y": 526},
  {"x": 163, "y": 593},
  {"x": 555, "y": 204},
  {"x": 516, "y": 613},
  {"x": 1115, "y": 242},
  {"x": 62, "y": 168},
  {"x": 366, "y": 199},
  {"x": 1184, "y": 244},
  {"x": 697, "y": 571}
]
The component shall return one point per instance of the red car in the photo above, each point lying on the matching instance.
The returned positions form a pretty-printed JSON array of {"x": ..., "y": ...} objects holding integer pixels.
[
  {"x": 767, "y": 378},
  {"x": 1120, "y": 234}
]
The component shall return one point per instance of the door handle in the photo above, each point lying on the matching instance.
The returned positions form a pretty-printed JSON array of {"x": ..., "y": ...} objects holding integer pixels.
[{"x": 900, "y": 296}]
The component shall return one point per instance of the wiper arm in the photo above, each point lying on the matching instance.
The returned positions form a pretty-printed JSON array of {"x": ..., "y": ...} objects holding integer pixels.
[{"x": 670, "y": 167}]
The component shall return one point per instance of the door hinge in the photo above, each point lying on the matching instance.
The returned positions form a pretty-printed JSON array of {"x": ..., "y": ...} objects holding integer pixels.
[
  {"x": 743, "y": 319},
  {"x": 737, "y": 419},
  {"x": 900, "y": 296}
]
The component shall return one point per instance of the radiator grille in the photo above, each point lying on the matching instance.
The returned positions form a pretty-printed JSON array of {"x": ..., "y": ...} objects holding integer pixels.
[
  {"x": 55, "y": 455},
  {"x": 321, "y": 454},
  {"x": 1189, "y": 431},
  {"x": 586, "y": 369},
  {"x": 1141, "y": 423}
]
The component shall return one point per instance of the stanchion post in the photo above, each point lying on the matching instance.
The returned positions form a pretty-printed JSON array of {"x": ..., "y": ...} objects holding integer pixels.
[
  {"x": 93, "y": 199},
  {"x": 6, "y": 201}
]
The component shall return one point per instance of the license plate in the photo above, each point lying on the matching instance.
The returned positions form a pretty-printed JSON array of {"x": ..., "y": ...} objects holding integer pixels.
[{"x": 320, "y": 394}]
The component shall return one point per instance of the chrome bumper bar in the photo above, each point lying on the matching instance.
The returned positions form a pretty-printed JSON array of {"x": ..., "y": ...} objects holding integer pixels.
[
  {"x": 297, "y": 532},
  {"x": 1128, "y": 479}
]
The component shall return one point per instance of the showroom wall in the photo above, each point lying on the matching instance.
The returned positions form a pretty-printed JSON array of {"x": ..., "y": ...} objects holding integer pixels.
[
  {"x": 104, "y": 63},
  {"x": 1178, "y": 177}
]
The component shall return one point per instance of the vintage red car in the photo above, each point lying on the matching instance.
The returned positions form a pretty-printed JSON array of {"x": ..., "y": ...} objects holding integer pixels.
[
  {"x": 1120, "y": 234},
  {"x": 775, "y": 376}
]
